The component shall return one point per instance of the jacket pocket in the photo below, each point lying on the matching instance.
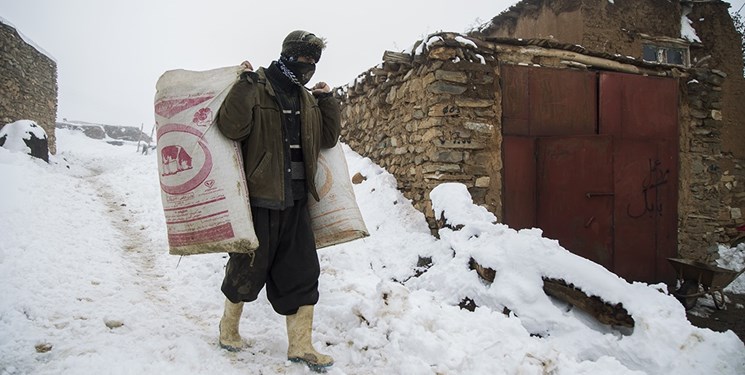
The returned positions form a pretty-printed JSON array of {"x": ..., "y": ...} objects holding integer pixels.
[{"x": 261, "y": 166}]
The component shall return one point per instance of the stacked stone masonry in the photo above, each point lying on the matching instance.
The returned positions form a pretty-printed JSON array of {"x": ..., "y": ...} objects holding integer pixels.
[
  {"x": 713, "y": 182},
  {"x": 436, "y": 117},
  {"x": 28, "y": 80}
]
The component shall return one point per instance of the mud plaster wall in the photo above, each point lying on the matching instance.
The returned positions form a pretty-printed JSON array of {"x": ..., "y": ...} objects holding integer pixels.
[
  {"x": 28, "y": 84},
  {"x": 598, "y": 25},
  {"x": 439, "y": 120},
  {"x": 561, "y": 20}
]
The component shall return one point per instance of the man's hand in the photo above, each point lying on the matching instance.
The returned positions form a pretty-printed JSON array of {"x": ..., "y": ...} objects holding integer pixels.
[
  {"x": 247, "y": 67},
  {"x": 320, "y": 88}
]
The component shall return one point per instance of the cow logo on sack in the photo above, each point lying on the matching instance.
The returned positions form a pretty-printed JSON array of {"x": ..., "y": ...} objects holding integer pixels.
[
  {"x": 174, "y": 160},
  {"x": 185, "y": 158}
]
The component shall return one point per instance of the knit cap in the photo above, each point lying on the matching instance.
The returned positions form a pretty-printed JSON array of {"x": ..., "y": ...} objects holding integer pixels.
[{"x": 302, "y": 43}]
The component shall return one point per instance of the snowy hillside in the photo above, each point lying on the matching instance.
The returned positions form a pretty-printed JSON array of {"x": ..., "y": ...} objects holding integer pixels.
[{"x": 88, "y": 287}]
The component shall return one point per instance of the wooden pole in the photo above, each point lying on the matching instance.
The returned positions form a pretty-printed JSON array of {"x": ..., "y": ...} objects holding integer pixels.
[{"x": 139, "y": 137}]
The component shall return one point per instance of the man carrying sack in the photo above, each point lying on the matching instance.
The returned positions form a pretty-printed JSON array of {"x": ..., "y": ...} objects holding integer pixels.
[{"x": 281, "y": 125}]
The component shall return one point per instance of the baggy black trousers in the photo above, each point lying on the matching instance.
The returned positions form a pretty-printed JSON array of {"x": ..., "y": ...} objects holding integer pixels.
[{"x": 286, "y": 261}]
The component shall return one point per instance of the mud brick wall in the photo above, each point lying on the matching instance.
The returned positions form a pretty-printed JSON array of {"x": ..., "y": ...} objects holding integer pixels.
[
  {"x": 619, "y": 27},
  {"x": 28, "y": 82},
  {"x": 599, "y": 25}
]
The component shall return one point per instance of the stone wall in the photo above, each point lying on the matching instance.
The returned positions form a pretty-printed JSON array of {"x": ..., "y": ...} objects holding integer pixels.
[
  {"x": 722, "y": 49},
  {"x": 430, "y": 123},
  {"x": 435, "y": 116},
  {"x": 28, "y": 80},
  {"x": 700, "y": 149},
  {"x": 713, "y": 194}
]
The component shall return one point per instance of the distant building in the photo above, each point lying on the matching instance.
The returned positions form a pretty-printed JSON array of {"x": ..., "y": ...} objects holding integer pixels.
[{"x": 29, "y": 83}]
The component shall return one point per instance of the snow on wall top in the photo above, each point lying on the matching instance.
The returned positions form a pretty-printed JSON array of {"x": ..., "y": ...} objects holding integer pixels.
[{"x": 28, "y": 40}]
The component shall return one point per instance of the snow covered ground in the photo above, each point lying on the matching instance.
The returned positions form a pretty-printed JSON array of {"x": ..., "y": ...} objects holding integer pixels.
[{"x": 88, "y": 287}]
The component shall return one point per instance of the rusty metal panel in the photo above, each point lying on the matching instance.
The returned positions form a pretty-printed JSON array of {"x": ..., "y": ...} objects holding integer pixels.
[
  {"x": 515, "y": 100},
  {"x": 639, "y": 178},
  {"x": 563, "y": 102},
  {"x": 519, "y": 171},
  {"x": 548, "y": 102},
  {"x": 646, "y": 209},
  {"x": 642, "y": 113},
  {"x": 576, "y": 194},
  {"x": 628, "y": 175},
  {"x": 667, "y": 224},
  {"x": 633, "y": 106}
]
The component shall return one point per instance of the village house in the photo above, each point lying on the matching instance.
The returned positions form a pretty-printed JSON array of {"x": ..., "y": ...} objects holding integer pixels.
[
  {"x": 618, "y": 155},
  {"x": 696, "y": 33},
  {"x": 29, "y": 83}
]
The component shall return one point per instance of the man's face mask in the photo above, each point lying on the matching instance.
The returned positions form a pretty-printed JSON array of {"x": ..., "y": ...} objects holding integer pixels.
[{"x": 303, "y": 71}]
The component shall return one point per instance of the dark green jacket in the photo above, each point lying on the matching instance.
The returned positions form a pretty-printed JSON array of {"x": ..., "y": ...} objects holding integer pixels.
[{"x": 251, "y": 114}]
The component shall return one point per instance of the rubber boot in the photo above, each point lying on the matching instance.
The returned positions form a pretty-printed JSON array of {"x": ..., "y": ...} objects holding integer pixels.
[
  {"x": 230, "y": 339},
  {"x": 300, "y": 349}
]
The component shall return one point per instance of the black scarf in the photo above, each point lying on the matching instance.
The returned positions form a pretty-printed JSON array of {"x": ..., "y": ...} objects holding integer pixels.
[{"x": 298, "y": 72}]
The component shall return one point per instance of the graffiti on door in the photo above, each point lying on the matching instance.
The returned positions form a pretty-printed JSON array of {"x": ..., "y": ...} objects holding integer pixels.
[{"x": 656, "y": 177}]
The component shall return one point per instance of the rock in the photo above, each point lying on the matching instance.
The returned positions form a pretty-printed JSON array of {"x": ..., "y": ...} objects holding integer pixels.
[
  {"x": 27, "y": 137},
  {"x": 43, "y": 347},
  {"x": 441, "y": 87},
  {"x": 483, "y": 181},
  {"x": 358, "y": 178},
  {"x": 442, "y": 53},
  {"x": 113, "y": 323},
  {"x": 459, "y": 77}
]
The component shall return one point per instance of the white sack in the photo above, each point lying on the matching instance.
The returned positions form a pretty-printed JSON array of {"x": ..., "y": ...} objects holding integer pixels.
[
  {"x": 336, "y": 218},
  {"x": 203, "y": 186},
  {"x": 204, "y": 192}
]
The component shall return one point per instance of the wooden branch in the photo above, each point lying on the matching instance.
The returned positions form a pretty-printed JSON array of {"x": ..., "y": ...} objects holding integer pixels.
[
  {"x": 603, "y": 312},
  {"x": 485, "y": 273},
  {"x": 598, "y": 62},
  {"x": 614, "y": 315}
]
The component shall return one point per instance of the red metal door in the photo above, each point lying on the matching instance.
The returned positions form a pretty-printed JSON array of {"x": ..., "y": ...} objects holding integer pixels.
[
  {"x": 519, "y": 181},
  {"x": 548, "y": 102},
  {"x": 641, "y": 113},
  {"x": 639, "y": 178},
  {"x": 575, "y": 194},
  {"x": 610, "y": 196}
]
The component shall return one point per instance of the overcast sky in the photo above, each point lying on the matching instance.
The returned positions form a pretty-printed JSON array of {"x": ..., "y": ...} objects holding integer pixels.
[{"x": 109, "y": 54}]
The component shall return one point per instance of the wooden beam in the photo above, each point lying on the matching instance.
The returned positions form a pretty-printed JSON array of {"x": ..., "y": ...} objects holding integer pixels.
[
  {"x": 603, "y": 312},
  {"x": 614, "y": 315},
  {"x": 397, "y": 58}
]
